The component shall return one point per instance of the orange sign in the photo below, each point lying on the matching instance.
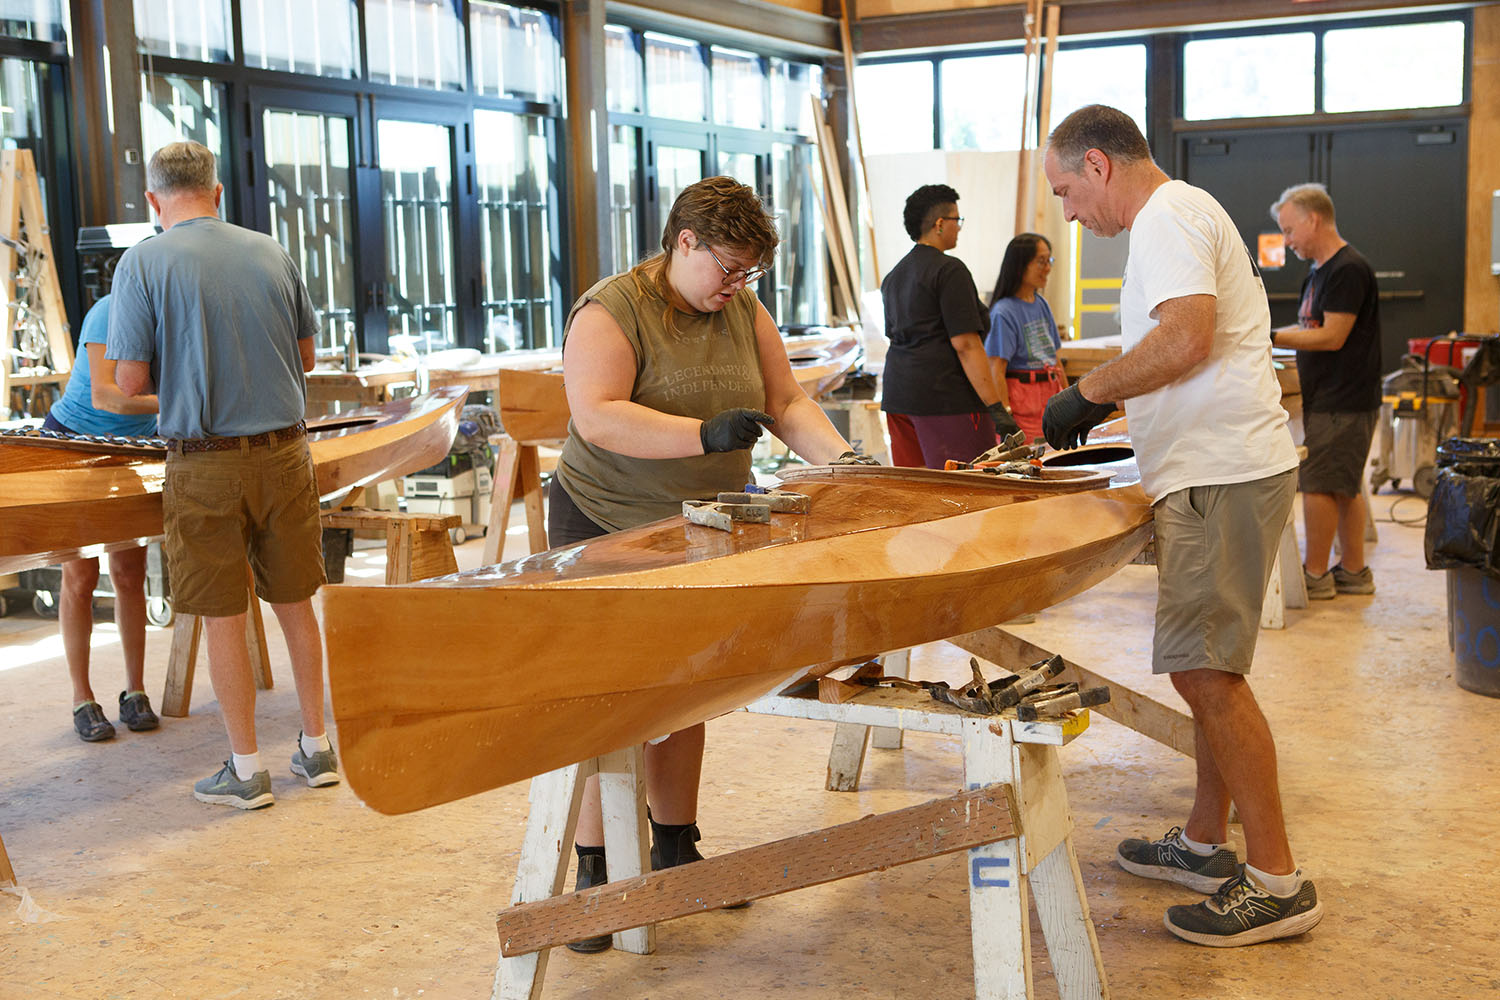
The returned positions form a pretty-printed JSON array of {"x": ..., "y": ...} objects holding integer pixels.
[{"x": 1271, "y": 250}]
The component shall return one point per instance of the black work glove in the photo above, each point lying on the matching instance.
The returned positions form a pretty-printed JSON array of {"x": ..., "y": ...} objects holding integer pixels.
[
  {"x": 1069, "y": 417},
  {"x": 854, "y": 458},
  {"x": 732, "y": 430},
  {"x": 1005, "y": 424}
]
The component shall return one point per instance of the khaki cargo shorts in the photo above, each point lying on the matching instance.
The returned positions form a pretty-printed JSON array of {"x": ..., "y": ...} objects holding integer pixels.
[
  {"x": 252, "y": 502},
  {"x": 1214, "y": 549}
]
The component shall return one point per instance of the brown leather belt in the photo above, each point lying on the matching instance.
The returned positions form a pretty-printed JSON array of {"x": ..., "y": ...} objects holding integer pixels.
[
  {"x": 1028, "y": 374},
  {"x": 186, "y": 446}
]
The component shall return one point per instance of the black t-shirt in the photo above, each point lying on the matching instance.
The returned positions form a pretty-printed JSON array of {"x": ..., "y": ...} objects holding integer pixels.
[
  {"x": 1348, "y": 379},
  {"x": 929, "y": 298}
]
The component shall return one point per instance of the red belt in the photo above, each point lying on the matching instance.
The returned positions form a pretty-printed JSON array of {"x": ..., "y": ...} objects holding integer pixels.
[
  {"x": 187, "y": 445},
  {"x": 1029, "y": 375}
]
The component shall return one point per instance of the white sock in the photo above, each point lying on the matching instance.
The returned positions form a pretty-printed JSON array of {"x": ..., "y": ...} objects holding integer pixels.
[
  {"x": 314, "y": 744},
  {"x": 1197, "y": 848},
  {"x": 1276, "y": 885},
  {"x": 246, "y": 764}
]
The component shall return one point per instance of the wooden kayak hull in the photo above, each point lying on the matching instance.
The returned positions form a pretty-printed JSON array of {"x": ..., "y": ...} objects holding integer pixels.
[
  {"x": 450, "y": 687},
  {"x": 65, "y": 499}
]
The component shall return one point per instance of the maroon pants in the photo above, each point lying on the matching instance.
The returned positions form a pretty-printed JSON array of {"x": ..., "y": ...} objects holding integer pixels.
[{"x": 918, "y": 441}]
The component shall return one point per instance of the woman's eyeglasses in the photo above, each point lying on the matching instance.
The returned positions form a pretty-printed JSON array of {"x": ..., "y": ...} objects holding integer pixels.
[{"x": 747, "y": 275}]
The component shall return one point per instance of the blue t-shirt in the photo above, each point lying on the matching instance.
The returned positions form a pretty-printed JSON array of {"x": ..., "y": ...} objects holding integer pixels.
[
  {"x": 76, "y": 408},
  {"x": 217, "y": 310},
  {"x": 1023, "y": 333}
]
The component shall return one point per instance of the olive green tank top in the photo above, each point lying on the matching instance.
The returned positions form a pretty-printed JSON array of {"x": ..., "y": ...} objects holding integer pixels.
[{"x": 693, "y": 365}]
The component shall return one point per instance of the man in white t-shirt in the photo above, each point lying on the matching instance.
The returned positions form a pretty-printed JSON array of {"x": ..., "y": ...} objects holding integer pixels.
[{"x": 1217, "y": 458}]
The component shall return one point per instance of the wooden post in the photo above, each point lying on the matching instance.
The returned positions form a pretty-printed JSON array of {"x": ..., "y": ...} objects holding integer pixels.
[
  {"x": 861, "y": 175},
  {"x": 1039, "y": 177},
  {"x": 1032, "y": 22}
]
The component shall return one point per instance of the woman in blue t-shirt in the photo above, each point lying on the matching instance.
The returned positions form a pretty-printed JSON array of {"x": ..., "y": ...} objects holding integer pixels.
[
  {"x": 1022, "y": 342},
  {"x": 81, "y": 410}
]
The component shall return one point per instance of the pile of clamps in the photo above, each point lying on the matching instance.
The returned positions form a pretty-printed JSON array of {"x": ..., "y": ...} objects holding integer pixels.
[
  {"x": 1011, "y": 457},
  {"x": 1027, "y": 692}
]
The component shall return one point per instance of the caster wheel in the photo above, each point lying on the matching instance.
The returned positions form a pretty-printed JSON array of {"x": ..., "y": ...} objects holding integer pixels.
[
  {"x": 159, "y": 611},
  {"x": 44, "y": 604},
  {"x": 1424, "y": 480}
]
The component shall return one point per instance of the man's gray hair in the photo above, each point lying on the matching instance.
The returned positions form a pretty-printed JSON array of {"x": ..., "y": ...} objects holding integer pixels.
[
  {"x": 1311, "y": 198},
  {"x": 181, "y": 167},
  {"x": 1097, "y": 126}
]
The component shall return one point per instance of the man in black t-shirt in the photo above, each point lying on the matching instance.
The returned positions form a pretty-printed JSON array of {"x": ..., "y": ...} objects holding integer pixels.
[
  {"x": 1337, "y": 339},
  {"x": 938, "y": 395}
]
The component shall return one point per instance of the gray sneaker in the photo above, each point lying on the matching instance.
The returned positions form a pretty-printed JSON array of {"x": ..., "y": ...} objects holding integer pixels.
[
  {"x": 1346, "y": 582},
  {"x": 1319, "y": 588},
  {"x": 1170, "y": 859},
  {"x": 321, "y": 768},
  {"x": 1242, "y": 912},
  {"x": 227, "y": 789}
]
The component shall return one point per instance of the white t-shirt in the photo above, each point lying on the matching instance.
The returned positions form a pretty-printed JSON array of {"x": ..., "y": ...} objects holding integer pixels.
[{"x": 1222, "y": 422}]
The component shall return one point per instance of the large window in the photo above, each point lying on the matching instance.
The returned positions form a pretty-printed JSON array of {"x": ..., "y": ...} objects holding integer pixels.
[
  {"x": 982, "y": 98},
  {"x": 791, "y": 85},
  {"x": 41, "y": 20},
  {"x": 318, "y": 37},
  {"x": 676, "y": 79},
  {"x": 1393, "y": 66},
  {"x": 518, "y": 222},
  {"x": 624, "y": 80},
  {"x": 739, "y": 88},
  {"x": 415, "y": 43},
  {"x": 176, "y": 108},
  {"x": 20, "y": 104},
  {"x": 1248, "y": 76},
  {"x": 184, "y": 30},
  {"x": 1101, "y": 74},
  {"x": 895, "y": 106},
  {"x": 515, "y": 51}
]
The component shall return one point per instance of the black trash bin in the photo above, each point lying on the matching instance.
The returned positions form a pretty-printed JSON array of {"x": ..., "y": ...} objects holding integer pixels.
[{"x": 1463, "y": 519}]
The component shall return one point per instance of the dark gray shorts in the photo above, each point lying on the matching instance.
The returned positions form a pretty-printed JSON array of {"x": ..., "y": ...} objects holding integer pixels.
[
  {"x": 1337, "y": 446},
  {"x": 1214, "y": 550}
]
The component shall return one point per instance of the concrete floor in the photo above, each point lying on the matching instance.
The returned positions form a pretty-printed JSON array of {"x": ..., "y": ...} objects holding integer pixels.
[{"x": 130, "y": 888}]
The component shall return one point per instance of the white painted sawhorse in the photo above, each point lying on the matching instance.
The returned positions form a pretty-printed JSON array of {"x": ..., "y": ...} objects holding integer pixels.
[
  {"x": 1002, "y": 875},
  {"x": 1013, "y": 820},
  {"x": 553, "y": 802}
]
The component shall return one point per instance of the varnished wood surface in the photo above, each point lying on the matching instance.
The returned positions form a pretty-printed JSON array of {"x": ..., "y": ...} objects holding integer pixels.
[
  {"x": 510, "y": 671},
  {"x": 60, "y": 503}
]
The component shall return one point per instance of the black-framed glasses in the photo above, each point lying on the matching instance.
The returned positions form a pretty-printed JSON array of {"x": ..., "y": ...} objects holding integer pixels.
[
  {"x": 953, "y": 218},
  {"x": 747, "y": 275}
]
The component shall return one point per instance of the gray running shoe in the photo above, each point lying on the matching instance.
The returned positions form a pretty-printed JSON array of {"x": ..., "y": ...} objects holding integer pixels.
[
  {"x": 1346, "y": 582},
  {"x": 1171, "y": 860},
  {"x": 1319, "y": 588},
  {"x": 225, "y": 788},
  {"x": 1242, "y": 912},
  {"x": 321, "y": 768}
]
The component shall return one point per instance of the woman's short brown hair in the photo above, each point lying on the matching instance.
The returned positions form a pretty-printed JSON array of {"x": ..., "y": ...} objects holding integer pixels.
[{"x": 718, "y": 210}]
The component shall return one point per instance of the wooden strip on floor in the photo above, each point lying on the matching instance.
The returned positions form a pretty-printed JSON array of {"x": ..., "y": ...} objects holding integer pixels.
[{"x": 942, "y": 826}]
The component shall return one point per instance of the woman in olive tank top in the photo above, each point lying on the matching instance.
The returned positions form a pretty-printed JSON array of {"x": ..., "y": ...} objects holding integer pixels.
[{"x": 672, "y": 369}]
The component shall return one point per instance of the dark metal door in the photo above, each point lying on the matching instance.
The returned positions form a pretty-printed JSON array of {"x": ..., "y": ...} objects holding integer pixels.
[{"x": 1399, "y": 191}]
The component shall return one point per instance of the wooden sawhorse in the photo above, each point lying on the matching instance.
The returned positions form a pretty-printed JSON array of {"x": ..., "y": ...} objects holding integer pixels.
[
  {"x": 416, "y": 546},
  {"x": 534, "y": 411},
  {"x": 1012, "y": 819}
]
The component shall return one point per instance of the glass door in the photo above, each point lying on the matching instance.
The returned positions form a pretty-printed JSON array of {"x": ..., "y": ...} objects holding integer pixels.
[
  {"x": 416, "y": 196},
  {"x": 677, "y": 160},
  {"x": 305, "y": 201}
]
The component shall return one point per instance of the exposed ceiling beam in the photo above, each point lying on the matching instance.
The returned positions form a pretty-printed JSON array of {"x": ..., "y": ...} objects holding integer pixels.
[{"x": 754, "y": 21}]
